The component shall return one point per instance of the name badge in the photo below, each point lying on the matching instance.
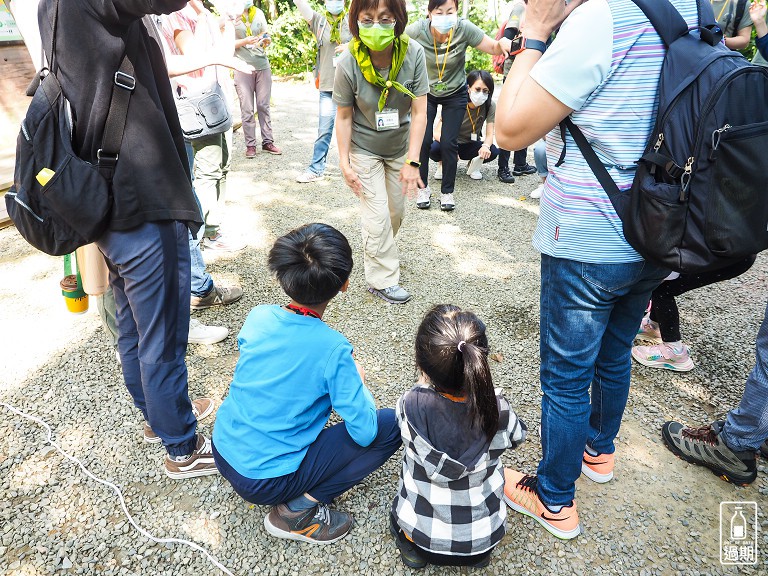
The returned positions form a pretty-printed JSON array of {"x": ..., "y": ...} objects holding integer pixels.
[
  {"x": 336, "y": 60},
  {"x": 387, "y": 119},
  {"x": 473, "y": 137},
  {"x": 439, "y": 87}
]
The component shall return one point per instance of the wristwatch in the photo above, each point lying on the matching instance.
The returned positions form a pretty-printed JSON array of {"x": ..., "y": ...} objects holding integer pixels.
[
  {"x": 413, "y": 163},
  {"x": 527, "y": 43}
]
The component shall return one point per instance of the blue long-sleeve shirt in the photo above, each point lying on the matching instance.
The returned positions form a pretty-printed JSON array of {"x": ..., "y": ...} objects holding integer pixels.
[
  {"x": 762, "y": 46},
  {"x": 292, "y": 370}
]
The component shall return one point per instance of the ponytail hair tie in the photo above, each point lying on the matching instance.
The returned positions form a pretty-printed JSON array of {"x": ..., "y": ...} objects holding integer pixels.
[{"x": 462, "y": 343}]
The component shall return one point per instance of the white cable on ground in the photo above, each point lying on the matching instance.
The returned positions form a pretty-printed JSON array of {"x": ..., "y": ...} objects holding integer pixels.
[{"x": 117, "y": 491}]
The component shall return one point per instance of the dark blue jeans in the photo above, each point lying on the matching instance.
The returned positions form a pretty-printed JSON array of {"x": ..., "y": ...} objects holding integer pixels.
[
  {"x": 589, "y": 318},
  {"x": 467, "y": 151},
  {"x": 332, "y": 465},
  {"x": 454, "y": 108},
  {"x": 149, "y": 274}
]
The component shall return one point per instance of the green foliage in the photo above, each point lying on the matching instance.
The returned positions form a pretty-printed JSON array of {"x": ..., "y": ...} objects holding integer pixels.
[{"x": 293, "y": 48}]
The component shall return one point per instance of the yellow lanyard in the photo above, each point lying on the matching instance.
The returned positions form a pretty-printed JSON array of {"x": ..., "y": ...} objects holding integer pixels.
[
  {"x": 445, "y": 58},
  {"x": 723, "y": 10},
  {"x": 469, "y": 113}
]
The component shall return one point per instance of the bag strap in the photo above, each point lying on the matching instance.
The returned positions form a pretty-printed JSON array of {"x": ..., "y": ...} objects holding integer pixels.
[
  {"x": 741, "y": 5},
  {"x": 665, "y": 18}
]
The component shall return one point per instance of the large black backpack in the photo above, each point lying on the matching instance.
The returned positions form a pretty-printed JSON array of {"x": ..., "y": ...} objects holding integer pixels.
[
  {"x": 699, "y": 199},
  {"x": 58, "y": 201}
]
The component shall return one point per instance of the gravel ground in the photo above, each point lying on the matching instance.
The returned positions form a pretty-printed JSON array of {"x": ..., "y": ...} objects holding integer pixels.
[{"x": 659, "y": 515}]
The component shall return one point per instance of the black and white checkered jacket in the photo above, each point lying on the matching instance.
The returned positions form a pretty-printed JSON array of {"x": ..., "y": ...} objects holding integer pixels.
[{"x": 452, "y": 505}]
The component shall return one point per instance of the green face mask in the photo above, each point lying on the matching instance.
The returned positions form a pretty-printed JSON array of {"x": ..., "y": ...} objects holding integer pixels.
[{"x": 376, "y": 37}]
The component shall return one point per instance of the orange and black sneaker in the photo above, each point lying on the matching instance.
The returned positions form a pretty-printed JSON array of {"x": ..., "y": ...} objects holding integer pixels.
[
  {"x": 317, "y": 525},
  {"x": 521, "y": 495},
  {"x": 598, "y": 468}
]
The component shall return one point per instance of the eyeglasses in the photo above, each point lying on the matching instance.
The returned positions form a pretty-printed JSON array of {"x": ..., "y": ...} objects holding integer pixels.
[{"x": 383, "y": 22}]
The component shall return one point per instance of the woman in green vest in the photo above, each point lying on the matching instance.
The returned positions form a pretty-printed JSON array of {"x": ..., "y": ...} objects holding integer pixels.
[
  {"x": 445, "y": 38},
  {"x": 380, "y": 93}
]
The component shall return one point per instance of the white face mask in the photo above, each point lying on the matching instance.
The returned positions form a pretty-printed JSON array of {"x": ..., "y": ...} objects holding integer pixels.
[
  {"x": 478, "y": 98},
  {"x": 444, "y": 22},
  {"x": 335, "y": 7}
]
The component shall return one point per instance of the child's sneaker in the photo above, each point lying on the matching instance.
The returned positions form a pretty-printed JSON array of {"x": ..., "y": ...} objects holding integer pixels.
[
  {"x": 649, "y": 331},
  {"x": 598, "y": 468},
  {"x": 409, "y": 553},
  {"x": 316, "y": 525},
  {"x": 663, "y": 356},
  {"x": 521, "y": 495}
]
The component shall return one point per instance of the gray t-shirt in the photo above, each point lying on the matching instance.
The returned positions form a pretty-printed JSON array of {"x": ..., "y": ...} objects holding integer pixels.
[
  {"x": 725, "y": 12},
  {"x": 253, "y": 55},
  {"x": 352, "y": 89},
  {"x": 326, "y": 50},
  {"x": 464, "y": 34},
  {"x": 473, "y": 122}
]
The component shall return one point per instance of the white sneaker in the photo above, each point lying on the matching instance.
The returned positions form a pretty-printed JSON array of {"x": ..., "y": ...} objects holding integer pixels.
[
  {"x": 439, "y": 171},
  {"x": 199, "y": 333},
  {"x": 308, "y": 176},
  {"x": 473, "y": 168},
  {"x": 422, "y": 198},
  {"x": 446, "y": 202},
  {"x": 537, "y": 193}
]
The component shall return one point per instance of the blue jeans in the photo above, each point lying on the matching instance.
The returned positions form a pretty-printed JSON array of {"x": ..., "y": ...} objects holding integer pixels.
[
  {"x": 202, "y": 283},
  {"x": 332, "y": 465},
  {"x": 324, "y": 132},
  {"x": 589, "y": 318},
  {"x": 747, "y": 427},
  {"x": 149, "y": 274},
  {"x": 540, "y": 158}
]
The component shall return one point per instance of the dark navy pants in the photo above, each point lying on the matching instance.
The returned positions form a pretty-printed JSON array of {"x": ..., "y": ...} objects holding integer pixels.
[
  {"x": 149, "y": 271},
  {"x": 332, "y": 465}
]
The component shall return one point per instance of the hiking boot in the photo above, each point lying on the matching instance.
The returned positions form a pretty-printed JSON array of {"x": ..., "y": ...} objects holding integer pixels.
[
  {"x": 271, "y": 148},
  {"x": 423, "y": 198},
  {"x": 505, "y": 176},
  {"x": 221, "y": 243},
  {"x": 309, "y": 176},
  {"x": 199, "y": 463},
  {"x": 218, "y": 296},
  {"x": 250, "y": 151},
  {"x": 201, "y": 408},
  {"x": 446, "y": 202},
  {"x": 199, "y": 333},
  {"x": 704, "y": 447},
  {"x": 663, "y": 356},
  {"x": 597, "y": 468},
  {"x": 409, "y": 553},
  {"x": 473, "y": 168},
  {"x": 649, "y": 331},
  {"x": 439, "y": 171},
  {"x": 520, "y": 494},
  {"x": 536, "y": 194},
  {"x": 316, "y": 525},
  {"x": 394, "y": 294},
  {"x": 524, "y": 170}
]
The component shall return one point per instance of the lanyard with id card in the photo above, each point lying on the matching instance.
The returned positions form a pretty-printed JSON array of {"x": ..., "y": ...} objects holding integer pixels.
[
  {"x": 440, "y": 86},
  {"x": 387, "y": 119}
]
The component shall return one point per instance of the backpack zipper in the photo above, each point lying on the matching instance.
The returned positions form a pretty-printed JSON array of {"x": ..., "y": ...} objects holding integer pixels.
[
  {"x": 20, "y": 203},
  {"x": 716, "y": 138}
]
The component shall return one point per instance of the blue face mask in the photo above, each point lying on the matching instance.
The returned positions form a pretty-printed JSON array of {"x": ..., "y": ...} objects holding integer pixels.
[
  {"x": 335, "y": 7},
  {"x": 444, "y": 22}
]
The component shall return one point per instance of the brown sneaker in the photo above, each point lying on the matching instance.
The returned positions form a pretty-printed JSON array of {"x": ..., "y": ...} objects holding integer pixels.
[
  {"x": 199, "y": 463},
  {"x": 201, "y": 408},
  {"x": 218, "y": 296},
  {"x": 316, "y": 525},
  {"x": 250, "y": 151},
  {"x": 271, "y": 148}
]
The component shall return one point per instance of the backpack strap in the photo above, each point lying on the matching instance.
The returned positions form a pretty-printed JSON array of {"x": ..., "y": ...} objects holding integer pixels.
[
  {"x": 741, "y": 5},
  {"x": 114, "y": 128},
  {"x": 665, "y": 18}
]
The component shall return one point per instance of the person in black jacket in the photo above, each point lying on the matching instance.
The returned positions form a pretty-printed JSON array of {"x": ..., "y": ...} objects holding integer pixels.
[{"x": 153, "y": 207}]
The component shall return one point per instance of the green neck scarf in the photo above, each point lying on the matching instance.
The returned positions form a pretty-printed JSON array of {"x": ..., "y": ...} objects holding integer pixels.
[
  {"x": 363, "y": 56},
  {"x": 336, "y": 22}
]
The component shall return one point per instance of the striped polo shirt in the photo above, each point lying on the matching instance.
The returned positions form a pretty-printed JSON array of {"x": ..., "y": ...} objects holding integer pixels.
[{"x": 605, "y": 65}]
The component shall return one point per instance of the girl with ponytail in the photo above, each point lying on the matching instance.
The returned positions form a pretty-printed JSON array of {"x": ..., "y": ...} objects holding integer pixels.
[{"x": 455, "y": 426}]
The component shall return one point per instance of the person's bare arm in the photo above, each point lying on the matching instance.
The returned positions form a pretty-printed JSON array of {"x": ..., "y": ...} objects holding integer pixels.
[
  {"x": 740, "y": 40},
  {"x": 304, "y": 9},
  {"x": 409, "y": 175},
  {"x": 343, "y": 143}
]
